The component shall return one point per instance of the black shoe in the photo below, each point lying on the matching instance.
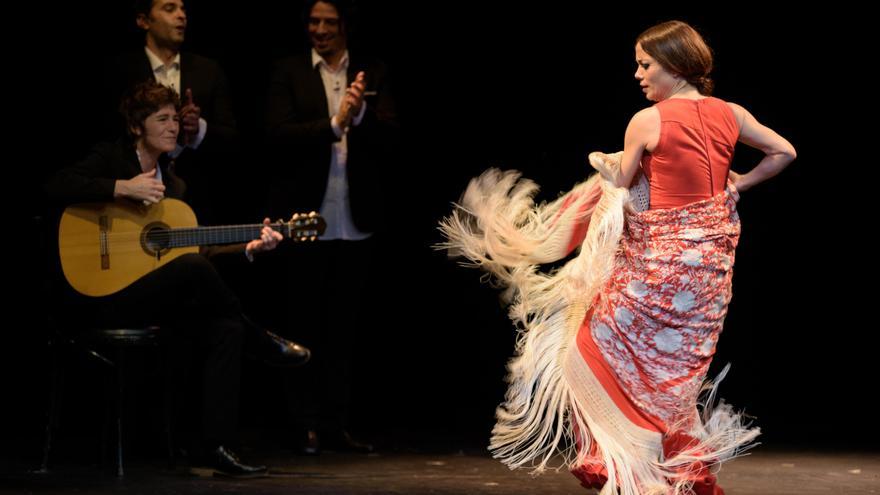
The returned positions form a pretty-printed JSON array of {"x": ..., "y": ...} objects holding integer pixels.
[
  {"x": 265, "y": 346},
  {"x": 312, "y": 444},
  {"x": 223, "y": 462},
  {"x": 341, "y": 441}
]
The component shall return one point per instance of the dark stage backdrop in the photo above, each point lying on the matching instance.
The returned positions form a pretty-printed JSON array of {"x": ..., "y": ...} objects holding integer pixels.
[{"x": 534, "y": 87}]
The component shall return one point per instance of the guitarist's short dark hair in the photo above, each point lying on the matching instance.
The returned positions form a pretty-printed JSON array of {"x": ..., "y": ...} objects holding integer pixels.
[{"x": 144, "y": 99}]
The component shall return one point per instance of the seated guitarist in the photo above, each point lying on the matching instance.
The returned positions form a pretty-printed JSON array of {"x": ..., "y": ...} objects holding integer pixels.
[{"x": 187, "y": 294}]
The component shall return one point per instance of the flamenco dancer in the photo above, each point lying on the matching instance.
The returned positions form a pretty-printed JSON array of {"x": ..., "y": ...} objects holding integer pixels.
[{"x": 614, "y": 347}]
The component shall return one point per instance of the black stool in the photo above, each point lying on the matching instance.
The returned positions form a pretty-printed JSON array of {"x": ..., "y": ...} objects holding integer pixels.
[{"x": 117, "y": 341}]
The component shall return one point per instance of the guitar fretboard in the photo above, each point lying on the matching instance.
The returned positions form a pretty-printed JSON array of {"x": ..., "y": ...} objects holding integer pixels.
[{"x": 201, "y": 236}]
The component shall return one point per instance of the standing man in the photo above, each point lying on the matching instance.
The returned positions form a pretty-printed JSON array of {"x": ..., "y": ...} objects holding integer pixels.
[
  {"x": 332, "y": 125},
  {"x": 208, "y": 135}
]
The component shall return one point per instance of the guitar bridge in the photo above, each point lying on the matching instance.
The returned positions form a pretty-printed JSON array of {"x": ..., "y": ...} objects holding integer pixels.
[{"x": 104, "y": 225}]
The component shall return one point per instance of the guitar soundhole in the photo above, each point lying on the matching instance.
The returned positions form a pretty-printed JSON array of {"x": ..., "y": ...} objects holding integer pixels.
[{"x": 156, "y": 239}]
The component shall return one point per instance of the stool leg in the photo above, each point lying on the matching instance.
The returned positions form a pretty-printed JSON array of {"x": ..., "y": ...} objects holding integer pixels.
[
  {"x": 120, "y": 394},
  {"x": 52, "y": 413},
  {"x": 169, "y": 408},
  {"x": 109, "y": 404}
]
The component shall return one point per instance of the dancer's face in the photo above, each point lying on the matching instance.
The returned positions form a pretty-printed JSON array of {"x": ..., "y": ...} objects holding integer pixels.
[{"x": 656, "y": 82}]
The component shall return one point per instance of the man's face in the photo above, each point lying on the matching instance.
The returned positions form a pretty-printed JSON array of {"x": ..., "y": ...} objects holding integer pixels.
[
  {"x": 325, "y": 30},
  {"x": 165, "y": 24}
]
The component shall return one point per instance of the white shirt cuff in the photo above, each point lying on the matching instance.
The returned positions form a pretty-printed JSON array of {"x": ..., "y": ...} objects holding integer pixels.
[
  {"x": 203, "y": 129},
  {"x": 337, "y": 129},
  {"x": 178, "y": 149},
  {"x": 360, "y": 116}
]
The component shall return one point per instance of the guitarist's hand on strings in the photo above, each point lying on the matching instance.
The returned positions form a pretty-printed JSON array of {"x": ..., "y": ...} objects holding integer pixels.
[
  {"x": 267, "y": 241},
  {"x": 142, "y": 187}
]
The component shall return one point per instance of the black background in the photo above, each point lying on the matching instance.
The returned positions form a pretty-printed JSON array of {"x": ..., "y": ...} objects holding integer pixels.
[{"x": 533, "y": 87}]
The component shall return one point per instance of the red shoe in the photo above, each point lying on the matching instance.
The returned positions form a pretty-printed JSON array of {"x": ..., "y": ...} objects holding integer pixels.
[
  {"x": 705, "y": 483},
  {"x": 593, "y": 475}
]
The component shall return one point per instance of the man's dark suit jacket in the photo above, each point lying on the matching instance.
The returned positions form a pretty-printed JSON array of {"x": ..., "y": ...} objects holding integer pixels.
[
  {"x": 208, "y": 169},
  {"x": 200, "y": 74},
  {"x": 300, "y": 136},
  {"x": 93, "y": 178}
]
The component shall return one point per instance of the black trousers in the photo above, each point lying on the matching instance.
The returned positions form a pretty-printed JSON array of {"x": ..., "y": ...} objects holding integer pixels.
[
  {"x": 204, "y": 328},
  {"x": 325, "y": 289}
]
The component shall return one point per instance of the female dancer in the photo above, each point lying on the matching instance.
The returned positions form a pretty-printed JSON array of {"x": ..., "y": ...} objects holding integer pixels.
[{"x": 614, "y": 346}]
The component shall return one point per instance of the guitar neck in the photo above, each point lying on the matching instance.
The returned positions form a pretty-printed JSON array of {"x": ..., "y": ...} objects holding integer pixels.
[{"x": 223, "y": 234}]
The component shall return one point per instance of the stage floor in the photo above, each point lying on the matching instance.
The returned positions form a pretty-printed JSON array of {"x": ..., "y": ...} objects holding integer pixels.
[{"x": 764, "y": 472}]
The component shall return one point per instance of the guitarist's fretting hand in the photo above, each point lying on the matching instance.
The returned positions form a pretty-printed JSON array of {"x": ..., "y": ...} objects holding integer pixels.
[
  {"x": 267, "y": 241},
  {"x": 143, "y": 187}
]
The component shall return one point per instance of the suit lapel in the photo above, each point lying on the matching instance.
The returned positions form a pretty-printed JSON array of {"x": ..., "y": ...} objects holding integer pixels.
[
  {"x": 137, "y": 69},
  {"x": 131, "y": 158},
  {"x": 174, "y": 185},
  {"x": 316, "y": 88},
  {"x": 351, "y": 72},
  {"x": 186, "y": 78}
]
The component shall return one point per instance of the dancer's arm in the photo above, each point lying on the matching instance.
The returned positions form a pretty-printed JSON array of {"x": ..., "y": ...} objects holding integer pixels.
[{"x": 778, "y": 152}]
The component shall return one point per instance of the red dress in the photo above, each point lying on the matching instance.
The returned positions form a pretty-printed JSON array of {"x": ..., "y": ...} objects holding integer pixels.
[
  {"x": 689, "y": 164},
  {"x": 692, "y": 158}
]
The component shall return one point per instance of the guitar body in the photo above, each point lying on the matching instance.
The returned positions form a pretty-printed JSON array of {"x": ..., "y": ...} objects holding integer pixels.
[{"x": 105, "y": 247}]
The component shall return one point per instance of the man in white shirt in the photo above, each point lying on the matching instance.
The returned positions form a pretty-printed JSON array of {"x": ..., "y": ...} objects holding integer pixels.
[
  {"x": 208, "y": 136},
  {"x": 330, "y": 123}
]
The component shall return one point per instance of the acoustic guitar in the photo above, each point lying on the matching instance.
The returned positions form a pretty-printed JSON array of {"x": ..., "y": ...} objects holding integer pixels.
[{"x": 105, "y": 247}]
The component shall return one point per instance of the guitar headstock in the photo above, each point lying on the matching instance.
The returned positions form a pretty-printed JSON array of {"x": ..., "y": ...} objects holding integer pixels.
[{"x": 304, "y": 226}]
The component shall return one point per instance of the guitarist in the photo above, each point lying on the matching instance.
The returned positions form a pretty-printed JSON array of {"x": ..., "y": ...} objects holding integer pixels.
[{"x": 186, "y": 294}]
